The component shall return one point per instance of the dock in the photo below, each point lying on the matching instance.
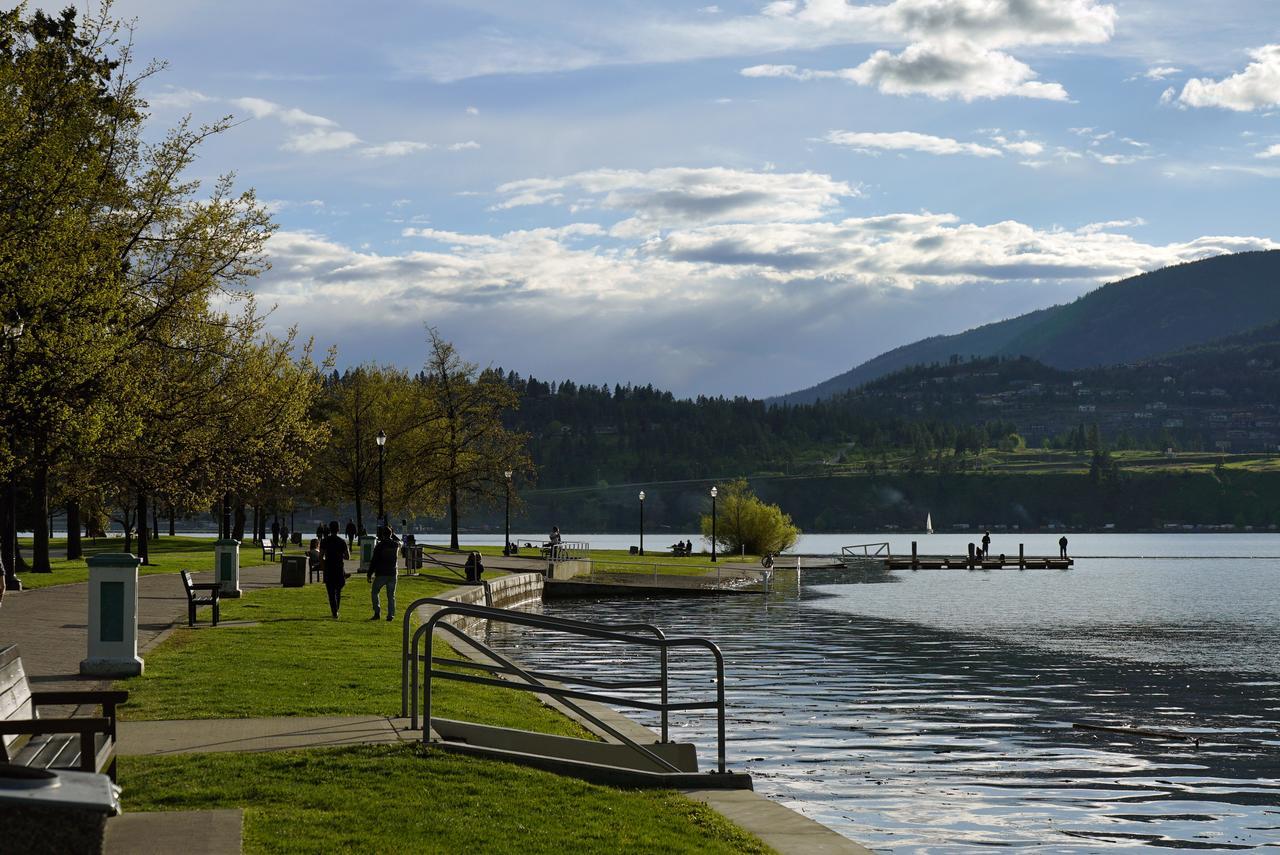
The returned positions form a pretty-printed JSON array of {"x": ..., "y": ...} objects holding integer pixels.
[{"x": 879, "y": 553}]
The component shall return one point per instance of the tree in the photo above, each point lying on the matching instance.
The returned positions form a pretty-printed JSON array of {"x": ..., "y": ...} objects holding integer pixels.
[
  {"x": 746, "y": 524},
  {"x": 467, "y": 447}
]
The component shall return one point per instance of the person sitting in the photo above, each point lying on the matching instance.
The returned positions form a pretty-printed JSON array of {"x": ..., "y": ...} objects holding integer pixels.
[
  {"x": 313, "y": 558},
  {"x": 688, "y": 547}
]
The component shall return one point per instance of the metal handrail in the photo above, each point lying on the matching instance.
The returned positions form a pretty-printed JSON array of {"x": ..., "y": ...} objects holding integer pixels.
[
  {"x": 571, "y": 550},
  {"x": 534, "y": 684},
  {"x": 564, "y": 622},
  {"x": 881, "y": 548}
]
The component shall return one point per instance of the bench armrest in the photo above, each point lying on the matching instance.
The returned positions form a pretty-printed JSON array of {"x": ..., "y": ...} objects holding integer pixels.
[
  {"x": 56, "y": 725},
  {"x": 207, "y": 586}
]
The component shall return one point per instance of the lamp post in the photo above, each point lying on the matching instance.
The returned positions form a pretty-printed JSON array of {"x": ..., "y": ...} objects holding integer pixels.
[
  {"x": 12, "y": 332},
  {"x": 382, "y": 456},
  {"x": 506, "y": 539},
  {"x": 642, "y": 522},
  {"x": 714, "y": 492}
]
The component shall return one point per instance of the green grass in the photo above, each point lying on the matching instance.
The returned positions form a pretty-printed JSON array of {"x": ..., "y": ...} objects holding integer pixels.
[
  {"x": 401, "y": 799},
  {"x": 300, "y": 662},
  {"x": 168, "y": 555}
]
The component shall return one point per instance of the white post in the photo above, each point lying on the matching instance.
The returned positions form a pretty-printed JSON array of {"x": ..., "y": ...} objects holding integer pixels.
[
  {"x": 226, "y": 566},
  {"x": 113, "y": 616}
]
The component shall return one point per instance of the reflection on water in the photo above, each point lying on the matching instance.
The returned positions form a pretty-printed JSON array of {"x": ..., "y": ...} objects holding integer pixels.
[{"x": 936, "y": 714}]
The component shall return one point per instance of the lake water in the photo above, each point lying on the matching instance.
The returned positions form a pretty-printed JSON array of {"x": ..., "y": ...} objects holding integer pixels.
[{"x": 933, "y": 710}]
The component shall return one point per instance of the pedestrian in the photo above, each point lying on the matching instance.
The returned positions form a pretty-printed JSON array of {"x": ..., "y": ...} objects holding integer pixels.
[
  {"x": 333, "y": 556},
  {"x": 284, "y": 534},
  {"x": 351, "y": 532},
  {"x": 275, "y": 533},
  {"x": 361, "y": 532},
  {"x": 1062, "y": 546},
  {"x": 321, "y": 531},
  {"x": 986, "y": 543},
  {"x": 554, "y": 540},
  {"x": 382, "y": 571}
]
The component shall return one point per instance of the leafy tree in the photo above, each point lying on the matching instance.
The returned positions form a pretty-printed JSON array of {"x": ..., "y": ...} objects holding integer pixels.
[
  {"x": 467, "y": 447},
  {"x": 746, "y": 524}
]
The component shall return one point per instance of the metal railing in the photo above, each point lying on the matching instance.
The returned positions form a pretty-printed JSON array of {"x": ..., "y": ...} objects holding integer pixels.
[
  {"x": 535, "y": 681},
  {"x": 868, "y": 550},
  {"x": 571, "y": 550}
]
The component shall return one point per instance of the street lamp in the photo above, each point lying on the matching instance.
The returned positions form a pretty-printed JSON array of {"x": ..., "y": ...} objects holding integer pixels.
[
  {"x": 382, "y": 456},
  {"x": 642, "y": 522},
  {"x": 12, "y": 332},
  {"x": 714, "y": 493},
  {"x": 506, "y": 540}
]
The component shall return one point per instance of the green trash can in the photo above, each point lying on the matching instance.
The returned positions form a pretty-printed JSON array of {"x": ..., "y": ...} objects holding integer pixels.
[{"x": 293, "y": 571}]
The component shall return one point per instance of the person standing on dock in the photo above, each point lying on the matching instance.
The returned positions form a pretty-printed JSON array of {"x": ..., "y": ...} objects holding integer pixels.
[
  {"x": 1062, "y": 546},
  {"x": 986, "y": 543}
]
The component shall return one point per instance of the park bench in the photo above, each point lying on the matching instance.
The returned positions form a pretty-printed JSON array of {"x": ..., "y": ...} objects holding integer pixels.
[
  {"x": 27, "y": 739},
  {"x": 270, "y": 549},
  {"x": 194, "y": 599}
]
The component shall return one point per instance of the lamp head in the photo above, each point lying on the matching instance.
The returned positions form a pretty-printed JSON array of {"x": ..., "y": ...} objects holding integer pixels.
[
  {"x": 382, "y": 437},
  {"x": 642, "y": 495},
  {"x": 509, "y": 473},
  {"x": 714, "y": 492}
]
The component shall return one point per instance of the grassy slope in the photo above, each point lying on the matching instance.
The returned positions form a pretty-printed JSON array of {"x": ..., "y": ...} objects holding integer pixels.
[{"x": 395, "y": 799}]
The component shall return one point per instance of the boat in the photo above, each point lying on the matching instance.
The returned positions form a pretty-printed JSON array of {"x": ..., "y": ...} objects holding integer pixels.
[{"x": 928, "y": 523}]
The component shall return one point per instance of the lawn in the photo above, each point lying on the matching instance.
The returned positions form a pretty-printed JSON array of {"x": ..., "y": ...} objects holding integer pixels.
[
  {"x": 298, "y": 661},
  {"x": 168, "y": 555},
  {"x": 400, "y": 798}
]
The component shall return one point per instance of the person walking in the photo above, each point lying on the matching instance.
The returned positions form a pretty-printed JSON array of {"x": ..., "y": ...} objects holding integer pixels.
[
  {"x": 333, "y": 555},
  {"x": 382, "y": 571},
  {"x": 351, "y": 533},
  {"x": 1062, "y": 546}
]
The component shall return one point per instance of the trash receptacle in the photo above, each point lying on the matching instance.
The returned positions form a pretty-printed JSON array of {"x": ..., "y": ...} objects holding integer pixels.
[
  {"x": 296, "y": 538},
  {"x": 293, "y": 571},
  {"x": 55, "y": 811}
]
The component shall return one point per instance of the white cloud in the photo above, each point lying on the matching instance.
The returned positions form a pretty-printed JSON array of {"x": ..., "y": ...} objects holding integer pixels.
[
  {"x": 908, "y": 141},
  {"x": 473, "y": 111},
  {"x": 464, "y": 146},
  {"x": 953, "y": 69},
  {"x": 318, "y": 140},
  {"x": 395, "y": 148},
  {"x": 789, "y": 71},
  {"x": 1255, "y": 88},
  {"x": 261, "y": 108},
  {"x": 1270, "y": 151},
  {"x": 1158, "y": 72},
  {"x": 1118, "y": 159},
  {"x": 1026, "y": 148},
  {"x": 175, "y": 98},
  {"x": 682, "y": 196}
]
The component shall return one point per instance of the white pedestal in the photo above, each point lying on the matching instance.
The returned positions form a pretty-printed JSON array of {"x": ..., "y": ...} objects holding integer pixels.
[
  {"x": 226, "y": 566},
  {"x": 113, "y": 616}
]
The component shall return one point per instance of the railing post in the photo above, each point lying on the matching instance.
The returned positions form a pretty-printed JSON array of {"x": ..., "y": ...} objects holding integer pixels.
[
  {"x": 665, "y": 737},
  {"x": 915, "y": 557}
]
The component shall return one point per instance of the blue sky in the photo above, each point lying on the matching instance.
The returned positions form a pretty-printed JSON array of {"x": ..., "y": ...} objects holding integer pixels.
[{"x": 739, "y": 198}]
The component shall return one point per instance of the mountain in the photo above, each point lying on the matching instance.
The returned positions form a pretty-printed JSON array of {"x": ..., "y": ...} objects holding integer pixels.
[{"x": 1142, "y": 317}]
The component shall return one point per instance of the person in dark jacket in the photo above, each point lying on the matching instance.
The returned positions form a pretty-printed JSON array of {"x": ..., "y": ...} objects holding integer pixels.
[
  {"x": 382, "y": 571},
  {"x": 333, "y": 555},
  {"x": 351, "y": 533}
]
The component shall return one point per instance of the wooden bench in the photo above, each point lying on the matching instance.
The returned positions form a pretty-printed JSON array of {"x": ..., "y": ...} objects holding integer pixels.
[
  {"x": 194, "y": 599},
  {"x": 26, "y": 739},
  {"x": 270, "y": 549}
]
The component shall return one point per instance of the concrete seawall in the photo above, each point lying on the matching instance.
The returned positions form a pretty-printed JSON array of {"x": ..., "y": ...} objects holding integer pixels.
[{"x": 781, "y": 828}]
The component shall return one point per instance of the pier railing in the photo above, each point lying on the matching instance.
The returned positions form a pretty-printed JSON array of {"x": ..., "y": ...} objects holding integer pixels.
[
  {"x": 866, "y": 550},
  {"x": 555, "y": 685},
  {"x": 571, "y": 550}
]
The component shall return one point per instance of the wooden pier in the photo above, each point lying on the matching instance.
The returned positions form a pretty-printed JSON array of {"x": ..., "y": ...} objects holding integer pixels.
[{"x": 1022, "y": 561}]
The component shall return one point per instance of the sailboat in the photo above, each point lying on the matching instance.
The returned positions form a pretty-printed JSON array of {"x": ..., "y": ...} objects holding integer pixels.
[{"x": 928, "y": 523}]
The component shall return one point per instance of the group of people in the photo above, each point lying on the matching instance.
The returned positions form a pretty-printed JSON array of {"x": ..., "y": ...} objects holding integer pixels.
[
  {"x": 332, "y": 551},
  {"x": 984, "y": 551},
  {"x": 682, "y": 548}
]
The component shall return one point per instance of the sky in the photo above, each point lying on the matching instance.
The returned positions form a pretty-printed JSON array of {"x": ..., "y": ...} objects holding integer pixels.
[{"x": 743, "y": 198}]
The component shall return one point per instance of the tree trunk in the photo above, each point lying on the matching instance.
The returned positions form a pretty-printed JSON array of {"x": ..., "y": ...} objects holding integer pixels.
[
  {"x": 172, "y": 521},
  {"x": 144, "y": 542},
  {"x": 74, "y": 550},
  {"x": 359, "y": 513},
  {"x": 453, "y": 516},
  {"x": 155, "y": 520},
  {"x": 127, "y": 522},
  {"x": 237, "y": 532},
  {"x": 40, "y": 551}
]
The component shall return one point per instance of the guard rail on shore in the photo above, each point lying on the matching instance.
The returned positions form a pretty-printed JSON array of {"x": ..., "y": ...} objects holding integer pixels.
[
  {"x": 546, "y": 683},
  {"x": 866, "y": 550},
  {"x": 571, "y": 550}
]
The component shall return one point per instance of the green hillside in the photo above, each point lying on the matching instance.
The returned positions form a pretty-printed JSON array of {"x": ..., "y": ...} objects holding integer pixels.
[{"x": 1145, "y": 316}]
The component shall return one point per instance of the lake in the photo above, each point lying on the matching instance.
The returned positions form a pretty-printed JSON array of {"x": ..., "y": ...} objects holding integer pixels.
[{"x": 933, "y": 710}]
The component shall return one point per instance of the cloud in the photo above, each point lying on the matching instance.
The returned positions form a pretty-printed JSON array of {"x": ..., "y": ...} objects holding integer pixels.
[
  {"x": 320, "y": 140},
  {"x": 1255, "y": 88},
  {"x": 464, "y": 146},
  {"x": 1158, "y": 72},
  {"x": 683, "y": 196},
  {"x": 175, "y": 98},
  {"x": 473, "y": 111},
  {"x": 946, "y": 70},
  {"x": 929, "y": 31},
  {"x": 1270, "y": 151},
  {"x": 260, "y": 108},
  {"x": 909, "y": 141},
  {"x": 395, "y": 148}
]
